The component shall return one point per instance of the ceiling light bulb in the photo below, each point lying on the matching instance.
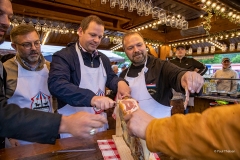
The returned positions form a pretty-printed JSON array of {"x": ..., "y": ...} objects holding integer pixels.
[
  {"x": 230, "y": 14},
  {"x": 203, "y": 1},
  {"x": 201, "y": 16},
  {"x": 237, "y": 17},
  {"x": 208, "y": 3},
  {"x": 214, "y": 5},
  {"x": 223, "y": 9},
  {"x": 218, "y": 7},
  {"x": 234, "y": 15}
]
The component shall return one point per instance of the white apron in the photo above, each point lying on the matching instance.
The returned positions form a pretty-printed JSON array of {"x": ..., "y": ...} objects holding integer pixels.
[
  {"x": 93, "y": 79},
  {"x": 32, "y": 91},
  {"x": 146, "y": 102}
]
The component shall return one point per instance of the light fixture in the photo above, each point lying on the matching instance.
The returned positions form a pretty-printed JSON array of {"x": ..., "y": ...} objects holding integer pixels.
[{"x": 208, "y": 3}]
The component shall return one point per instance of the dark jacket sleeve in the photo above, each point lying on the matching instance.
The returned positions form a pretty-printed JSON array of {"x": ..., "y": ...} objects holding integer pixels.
[
  {"x": 26, "y": 124},
  {"x": 202, "y": 68},
  {"x": 65, "y": 77},
  {"x": 169, "y": 77}
]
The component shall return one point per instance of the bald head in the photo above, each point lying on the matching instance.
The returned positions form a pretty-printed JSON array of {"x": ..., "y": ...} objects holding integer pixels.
[{"x": 6, "y": 14}]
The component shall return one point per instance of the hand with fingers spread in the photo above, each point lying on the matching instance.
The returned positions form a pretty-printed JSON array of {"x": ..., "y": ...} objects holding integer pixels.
[
  {"x": 137, "y": 123},
  {"x": 123, "y": 90},
  {"x": 82, "y": 124},
  {"x": 101, "y": 102}
]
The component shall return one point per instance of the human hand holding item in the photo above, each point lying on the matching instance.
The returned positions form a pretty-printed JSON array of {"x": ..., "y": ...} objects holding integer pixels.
[
  {"x": 192, "y": 82},
  {"x": 123, "y": 90},
  {"x": 102, "y": 103},
  {"x": 137, "y": 123},
  {"x": 14, "y": 142},
  {"x": 82, "y": 124}
]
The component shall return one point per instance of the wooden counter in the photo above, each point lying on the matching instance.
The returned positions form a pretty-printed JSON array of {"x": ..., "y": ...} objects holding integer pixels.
[
  {"x": 46, "y": 151},
  {"x": 203, "y": 102}
]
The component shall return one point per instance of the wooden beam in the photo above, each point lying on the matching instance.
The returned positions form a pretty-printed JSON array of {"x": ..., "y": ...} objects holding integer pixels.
[{"x": 57, "y": 16}]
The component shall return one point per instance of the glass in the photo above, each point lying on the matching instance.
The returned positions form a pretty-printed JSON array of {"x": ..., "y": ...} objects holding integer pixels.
[
  {"x": 199, "y": 50},
  {"x": 190, "y": 51},
  {"x": 28, "y": 45},
  {"x": 179, "y": 23},
  {"x": 173, "y": 22},
  {"x": 168, "y": 20},
  {"x": 103, "y": 1},
  {"x": 162, "y": 16},
  {"x": 112, "y": 3},
  {"x": 184, "y": 24},
  {"x": 130, "y": 7},
  {"x": 155, "y": 12},
  {"x": 212, "y": 49},
  {"x": 38, "y": 27},
  {"x": 232, "y": 47},
  {"x": 224, "y": 47},
  {"x": 206, "y": 49},
  {"x": 238, "y": 46}
]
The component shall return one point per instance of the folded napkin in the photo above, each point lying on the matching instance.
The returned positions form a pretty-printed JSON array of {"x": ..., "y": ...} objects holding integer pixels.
[{"x": 109, "y": 150}]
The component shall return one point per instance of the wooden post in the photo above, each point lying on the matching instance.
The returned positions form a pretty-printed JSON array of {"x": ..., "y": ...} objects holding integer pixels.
[{"x": 164, "y": 51}]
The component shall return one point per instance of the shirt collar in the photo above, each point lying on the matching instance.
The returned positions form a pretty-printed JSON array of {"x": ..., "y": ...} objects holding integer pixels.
[
  {"x": 29, "y": 66},
  {"x": 95, "y": 53}
]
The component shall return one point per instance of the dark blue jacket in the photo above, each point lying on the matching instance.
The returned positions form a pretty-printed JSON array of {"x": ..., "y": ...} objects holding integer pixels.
[{"x": 65, "y": 76}]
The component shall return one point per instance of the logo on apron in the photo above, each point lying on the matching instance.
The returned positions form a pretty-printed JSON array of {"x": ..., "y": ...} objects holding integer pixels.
[
  {"x": 41, "y": 102},
  {"x": 151, "y": 88},
  {"x": 100, "y": 92}
]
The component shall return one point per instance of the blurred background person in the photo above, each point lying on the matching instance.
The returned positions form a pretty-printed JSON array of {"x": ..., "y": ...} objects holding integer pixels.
[
  {"x": 115, "y": 69},
  {"x": 226, "y": 72},
  {"x": 28, "y": 69}
]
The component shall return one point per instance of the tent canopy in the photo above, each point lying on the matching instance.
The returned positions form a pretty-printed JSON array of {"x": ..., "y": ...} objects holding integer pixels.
[
  {"x": 113, "y": 57},
  {"x": 48, "y": 50}
]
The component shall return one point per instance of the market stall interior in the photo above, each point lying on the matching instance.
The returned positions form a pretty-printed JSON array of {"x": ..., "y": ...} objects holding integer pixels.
[{"x": 163, "y": 23}]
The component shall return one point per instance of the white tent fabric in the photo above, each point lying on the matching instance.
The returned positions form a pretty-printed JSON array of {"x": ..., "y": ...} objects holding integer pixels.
[
  {"x": 113, "y": 57},
  {"x": 48, "y": 50}
]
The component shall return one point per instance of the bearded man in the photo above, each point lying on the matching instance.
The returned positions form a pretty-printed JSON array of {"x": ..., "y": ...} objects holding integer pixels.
[{"x": 151, "y": 80}]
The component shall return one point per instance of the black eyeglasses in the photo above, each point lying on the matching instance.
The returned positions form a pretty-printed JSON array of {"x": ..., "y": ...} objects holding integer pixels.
[{"x": 28, "y": 45}]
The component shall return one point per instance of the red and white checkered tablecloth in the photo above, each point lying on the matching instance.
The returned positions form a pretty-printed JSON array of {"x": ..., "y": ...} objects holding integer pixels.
[{"x": 109, "y": 150}]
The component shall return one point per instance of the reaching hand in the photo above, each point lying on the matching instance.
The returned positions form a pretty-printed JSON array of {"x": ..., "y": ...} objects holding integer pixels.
[
  {"x": 123, "y": 90},
  {"x": 14, "y": 142},
  {"x": 192, "y": 82},
  {"x": 137, "y": 123},
  {"x": 81, "y": 123},
  {"x": 102, "y": 103}
]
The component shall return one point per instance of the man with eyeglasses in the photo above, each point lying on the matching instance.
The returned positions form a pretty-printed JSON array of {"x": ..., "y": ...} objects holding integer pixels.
[
  {"x": 188, "y": 63},
  {"x": 35, "y": 126},
  {"x": 27, "y": 74}
]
